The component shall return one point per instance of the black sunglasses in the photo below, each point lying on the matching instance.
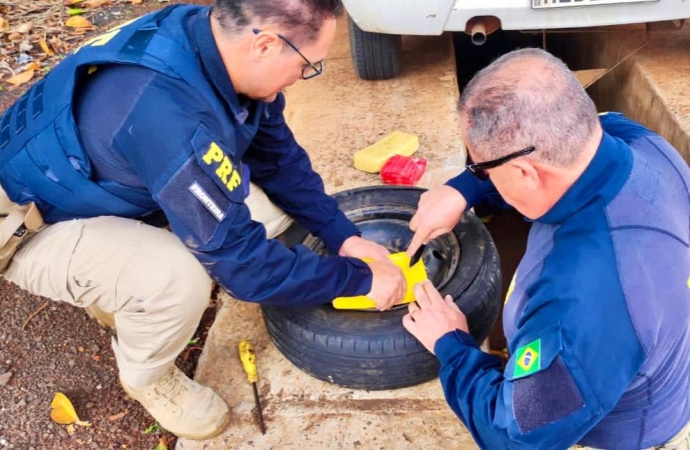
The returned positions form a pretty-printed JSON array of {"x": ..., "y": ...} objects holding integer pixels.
[
  {"x": 479, "y": 169},
  {"x": 310, "y": 69}
]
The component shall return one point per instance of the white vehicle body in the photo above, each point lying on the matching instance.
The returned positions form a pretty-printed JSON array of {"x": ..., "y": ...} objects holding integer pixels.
[{"x": 433, "y": 17}]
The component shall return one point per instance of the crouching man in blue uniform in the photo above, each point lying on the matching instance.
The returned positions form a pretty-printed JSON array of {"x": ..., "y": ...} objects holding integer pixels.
[
  {"x": 597, "y": 317},
  {"x": 180, "y": 112}
]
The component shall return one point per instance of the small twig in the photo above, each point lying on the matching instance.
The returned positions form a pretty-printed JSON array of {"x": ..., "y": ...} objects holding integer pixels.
[
  {"x": 37, "y": 312},
  {"x": 186, "y": 353}
]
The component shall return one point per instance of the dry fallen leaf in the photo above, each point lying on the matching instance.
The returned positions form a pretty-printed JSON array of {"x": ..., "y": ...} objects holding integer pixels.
[
  {"x": 44, "y": 46},
  {"x": 63, "y": 411},
  {"x": 32, "y": 66},
  {"x": 25, "y": 46},
  {"x": 56, "y": 43},
  {"x": 95, "y": 3},
  {"x": 78, "y": 22},
  {"x": 4, "y": 24},
  {"x": 21, "y": 78},
  {"x": 135, "y": 2},
  {"x": 24, "y": 28},
  {"x": 117, "y": 416}
]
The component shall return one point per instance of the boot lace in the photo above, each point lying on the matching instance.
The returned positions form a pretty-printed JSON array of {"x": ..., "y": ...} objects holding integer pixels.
[{"x": 172, "y": 388}]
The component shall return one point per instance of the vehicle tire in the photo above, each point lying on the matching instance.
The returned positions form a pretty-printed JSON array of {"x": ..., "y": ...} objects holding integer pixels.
[
  {"x": 376, "y": 56},
  {"x": 372, "y": 350}
]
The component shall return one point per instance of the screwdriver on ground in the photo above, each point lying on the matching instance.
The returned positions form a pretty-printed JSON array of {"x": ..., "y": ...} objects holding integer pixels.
[{"x": 248, "y": 358}]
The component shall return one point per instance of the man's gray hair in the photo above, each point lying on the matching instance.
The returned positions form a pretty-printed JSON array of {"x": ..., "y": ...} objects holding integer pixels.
[{"x": 528, "y": 98}]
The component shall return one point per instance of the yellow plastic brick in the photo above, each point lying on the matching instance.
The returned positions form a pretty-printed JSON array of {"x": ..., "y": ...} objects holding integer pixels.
[
  {"x": 372, "y": 158},
  {"x": 413, "y": 275}
]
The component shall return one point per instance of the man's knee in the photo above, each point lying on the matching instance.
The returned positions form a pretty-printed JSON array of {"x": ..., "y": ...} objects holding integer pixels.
[
  {"x": 264, "y": 211},
  {"x": 134, "y": 267},
  {"x": 191, "y": 286}
]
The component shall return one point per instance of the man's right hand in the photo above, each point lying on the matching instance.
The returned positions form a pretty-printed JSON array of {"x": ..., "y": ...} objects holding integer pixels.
[
  {"x": 438, "y": 212},
  {"x": 388, "y": 285}
]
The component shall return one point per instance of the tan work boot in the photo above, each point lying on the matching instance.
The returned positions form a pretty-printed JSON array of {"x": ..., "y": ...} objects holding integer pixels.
[
  {"x": 182, "y": 406},
  {"x": 104, "y": 319}
]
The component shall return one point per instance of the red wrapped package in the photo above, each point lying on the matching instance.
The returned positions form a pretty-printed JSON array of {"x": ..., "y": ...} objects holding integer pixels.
[{"x": 403, "y": 170}]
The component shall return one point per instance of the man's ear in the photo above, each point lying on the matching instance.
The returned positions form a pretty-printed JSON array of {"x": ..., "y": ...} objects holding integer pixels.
[
  {"x": 531, "y": 177},
  {"x": 265, "y": 44}
]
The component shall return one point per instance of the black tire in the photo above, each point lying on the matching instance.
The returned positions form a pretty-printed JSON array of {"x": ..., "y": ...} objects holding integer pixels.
[
  {"x": 372, "y": 350},
  {"x": 376, "y": 56}
]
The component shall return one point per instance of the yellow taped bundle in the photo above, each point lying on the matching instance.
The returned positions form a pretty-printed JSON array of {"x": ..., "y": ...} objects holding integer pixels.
[
  {"x": 413, "y": 275},
  {"x": 371, "y": 159}
]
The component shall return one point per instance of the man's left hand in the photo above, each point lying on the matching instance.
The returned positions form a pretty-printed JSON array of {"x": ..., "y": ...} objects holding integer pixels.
[
  {"x": 361, "y": 248},
  {"x": 432, "y": 316}
]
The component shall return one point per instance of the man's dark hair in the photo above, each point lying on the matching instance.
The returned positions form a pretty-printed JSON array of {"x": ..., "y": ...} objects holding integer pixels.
[{"x": 300, "y": 20}]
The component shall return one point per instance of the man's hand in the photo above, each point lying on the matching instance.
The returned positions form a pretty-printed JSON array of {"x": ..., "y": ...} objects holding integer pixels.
[
  {"x": 432, "y": 316},
  {"x": 361, "y": 248},
  {"x": 439, "y": 210},
  {"x": 388, "y": 285}
]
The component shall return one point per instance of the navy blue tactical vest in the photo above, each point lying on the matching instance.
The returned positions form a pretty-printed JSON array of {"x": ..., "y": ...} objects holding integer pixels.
[{"x": 42, "y": 159}]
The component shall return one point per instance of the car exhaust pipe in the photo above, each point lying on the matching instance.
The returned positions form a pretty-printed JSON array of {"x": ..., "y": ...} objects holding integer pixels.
[
  {"x": 480, "y": 27},
  {"x": 478, "y": 33}
]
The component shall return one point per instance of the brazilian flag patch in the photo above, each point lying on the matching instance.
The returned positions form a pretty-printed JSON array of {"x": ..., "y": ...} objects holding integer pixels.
[{"x": 528, "y": 359}]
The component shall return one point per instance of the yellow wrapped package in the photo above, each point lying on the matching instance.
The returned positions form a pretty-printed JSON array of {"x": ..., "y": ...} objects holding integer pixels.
[
  {"x": 413, "y": 275},
  {"x": 372, "y": 159}
]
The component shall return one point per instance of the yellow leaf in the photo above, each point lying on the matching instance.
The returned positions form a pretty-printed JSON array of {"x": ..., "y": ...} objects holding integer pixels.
[
  {"x": 63, "y": 411},
  {"x": 21, "y": 78},
  {"x": 44, "y": 46},
  {"x": 4, "y": 24},
  {"x": 78, "y": 22},
  {"x": 162, "y": 443},
  {"x": 135, "y": 2}
]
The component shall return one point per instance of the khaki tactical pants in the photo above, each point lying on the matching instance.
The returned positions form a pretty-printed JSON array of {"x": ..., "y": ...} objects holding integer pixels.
[{"x": 152, "y": 283}]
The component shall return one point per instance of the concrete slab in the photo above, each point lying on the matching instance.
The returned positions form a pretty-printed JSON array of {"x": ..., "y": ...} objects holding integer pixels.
[
  {"x": 651, "y": 86},
  {"x": 303, "y": 412},
  {"x": 333, "y": 116}
]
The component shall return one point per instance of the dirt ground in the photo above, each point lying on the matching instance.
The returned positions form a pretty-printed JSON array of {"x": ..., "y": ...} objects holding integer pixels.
[{"x": 46, "y": 347}]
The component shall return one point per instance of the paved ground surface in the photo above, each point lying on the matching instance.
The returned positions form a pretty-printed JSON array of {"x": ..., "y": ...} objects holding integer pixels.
[{"x": 60, "y": 349}]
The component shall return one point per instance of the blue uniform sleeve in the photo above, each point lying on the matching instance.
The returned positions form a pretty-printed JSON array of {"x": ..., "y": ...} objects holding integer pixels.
[
  {"x": 476, "y": 191},
  {"x": 184, "y": 157},
  {"x": 556, "y": 386},
  {"x": 283, "y": 170}
]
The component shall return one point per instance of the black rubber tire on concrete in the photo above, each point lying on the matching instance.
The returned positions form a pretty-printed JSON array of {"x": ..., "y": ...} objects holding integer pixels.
[
  {"x": 376, "y": 56},
  {"x": 372, "y": 350}
]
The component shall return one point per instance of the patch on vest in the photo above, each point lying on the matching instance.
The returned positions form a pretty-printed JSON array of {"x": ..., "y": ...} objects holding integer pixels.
[
  {"x": 207, "y": 201},
  {"x": 527, "y": 359},
  {"x": 546, "y": 397},
  {"x": 193, "y": 197},
  {"x": 219, "y": 165}
]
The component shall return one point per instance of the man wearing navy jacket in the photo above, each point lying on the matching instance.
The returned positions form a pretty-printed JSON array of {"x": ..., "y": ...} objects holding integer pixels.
[
  {"x": 597, "y": 317},
  {"x": 180, "y": 112}
]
